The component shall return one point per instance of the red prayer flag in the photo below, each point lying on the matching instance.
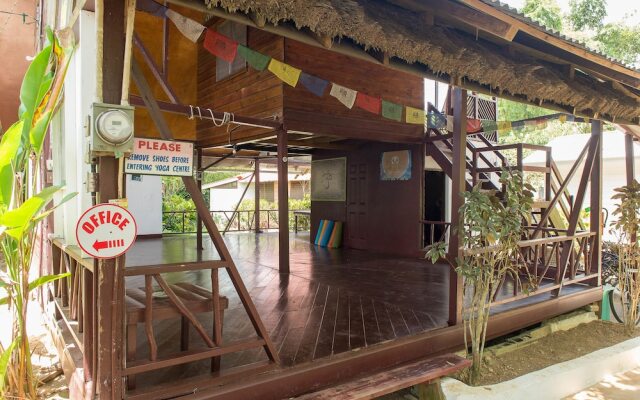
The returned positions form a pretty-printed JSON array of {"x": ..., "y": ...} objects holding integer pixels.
[
  {"x": 474, "y": 125},
  {"x": 369, "y": 103},
  {"x": 220, "y": 45}
]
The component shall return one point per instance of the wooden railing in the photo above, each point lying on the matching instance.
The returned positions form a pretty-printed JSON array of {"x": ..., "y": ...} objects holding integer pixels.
[
  {"x": 434, "y": 231},
  {"x": 540, "y": 265},
  {"x": 178, "y": 222}
]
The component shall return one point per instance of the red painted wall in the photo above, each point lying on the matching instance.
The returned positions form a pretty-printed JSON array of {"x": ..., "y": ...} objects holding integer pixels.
[
  {"x": 17, "y": 41},
  {"x": 393, "y": 207}
]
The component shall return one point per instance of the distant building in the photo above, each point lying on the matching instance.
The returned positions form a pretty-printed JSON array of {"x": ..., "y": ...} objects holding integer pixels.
[
  {"x": 565, "y": 151},
  {"x": 224, "y": 195}
]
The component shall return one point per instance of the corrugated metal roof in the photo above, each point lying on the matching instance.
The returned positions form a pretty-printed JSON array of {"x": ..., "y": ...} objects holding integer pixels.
[{"x": 512, "y": 11}]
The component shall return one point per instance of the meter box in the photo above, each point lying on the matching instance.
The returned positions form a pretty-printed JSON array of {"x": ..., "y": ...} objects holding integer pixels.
[{"x": 112, "y": 129}]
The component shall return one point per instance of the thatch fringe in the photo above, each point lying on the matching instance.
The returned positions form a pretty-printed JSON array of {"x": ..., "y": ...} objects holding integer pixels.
[{"x": 400, "y": 33}]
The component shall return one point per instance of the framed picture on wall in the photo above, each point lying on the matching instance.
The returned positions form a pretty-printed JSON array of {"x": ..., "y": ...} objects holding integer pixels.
[
  {"x": 395, "y": 165},
  {"x": 329, "y": 179}
]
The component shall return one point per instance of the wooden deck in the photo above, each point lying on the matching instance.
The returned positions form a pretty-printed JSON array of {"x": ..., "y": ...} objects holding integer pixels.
[{"x": 334, "y": 301}]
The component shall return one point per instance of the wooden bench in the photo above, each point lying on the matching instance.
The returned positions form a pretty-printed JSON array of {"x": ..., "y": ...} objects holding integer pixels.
[
  {"x": 425, "y": 371},
  {"x": 195, "y": 298}
]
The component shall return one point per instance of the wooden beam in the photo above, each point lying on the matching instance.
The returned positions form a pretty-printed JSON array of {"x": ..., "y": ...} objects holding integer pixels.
[
  {"x": 313, "y": 144},
  {"x": 199, "y": 177},
  {"x": 110, "y": 283},
  {"x": 186, "y": 110},
  {"x": 596, "y": 201},
  {"x": 256, "y": 193},
  {"x": 207, "y": 219},
  {"x": 583, "y": 56},
  {"x": 458, "y": 187},
  {"x": 283, "y": 203},
  {"x": 576, "y": 210},
  {"x": 449, "y": 10},
  {"x": 629, "y": 158},
  {"x": 160, "y": 77}
]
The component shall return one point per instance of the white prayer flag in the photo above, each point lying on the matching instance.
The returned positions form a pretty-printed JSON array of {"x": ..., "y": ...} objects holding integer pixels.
[
  {"x": 344, "y": 95},
  {"x": 188, "y": 27}
]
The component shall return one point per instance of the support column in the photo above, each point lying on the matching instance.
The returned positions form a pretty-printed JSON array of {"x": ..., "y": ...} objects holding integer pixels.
[
  {"x": 256, "y": 193},
  {"x": 199, "y": 177},
  {"x": 458, "y": 186},
  {"x": 596, "y": 200},
  {"x": 110, "y": 280},
  {"x": 283, "y": 202},
  {"x": 629, "y": 158}
]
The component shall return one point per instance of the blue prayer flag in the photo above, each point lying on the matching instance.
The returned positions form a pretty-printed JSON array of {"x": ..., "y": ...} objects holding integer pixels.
[{"x": 313, "y": 84}]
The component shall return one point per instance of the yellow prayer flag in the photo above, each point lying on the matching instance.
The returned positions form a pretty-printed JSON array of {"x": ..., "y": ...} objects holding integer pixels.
[
  {"x": 586, "y": 120},
  {"x": 504, "y": 125},
  {"x": 563, "y": 118},
  {"x": 285, "y": 72},
  {"x": 414, "y": 116}
]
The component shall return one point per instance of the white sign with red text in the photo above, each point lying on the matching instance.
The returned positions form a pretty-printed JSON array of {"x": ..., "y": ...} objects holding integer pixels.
[
  {"x": 106, "y": 231},
  {"x": 160, "y": 157}
]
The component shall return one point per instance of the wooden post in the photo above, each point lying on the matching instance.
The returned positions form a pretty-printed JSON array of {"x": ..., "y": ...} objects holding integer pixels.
[
  {"x": 256, "y": 193},
  {"x": 199, "y": 177},
  {"x": 283, "y": 202},
  {"x": 596, "y": 200},
  {"x": 109, "y": 307},
  {"x": 629, "y": 158},
  {"x": 458, "y": 186}
]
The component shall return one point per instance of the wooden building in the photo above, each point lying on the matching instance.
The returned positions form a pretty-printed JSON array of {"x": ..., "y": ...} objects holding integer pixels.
[{"x": 291, "y": 318}]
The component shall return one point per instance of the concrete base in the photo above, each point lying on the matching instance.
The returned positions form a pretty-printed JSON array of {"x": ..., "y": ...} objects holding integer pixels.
[{"x": 556, "y": 381}]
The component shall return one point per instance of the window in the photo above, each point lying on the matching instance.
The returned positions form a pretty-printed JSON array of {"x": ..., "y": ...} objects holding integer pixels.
[{"x": 237, "y": 32}]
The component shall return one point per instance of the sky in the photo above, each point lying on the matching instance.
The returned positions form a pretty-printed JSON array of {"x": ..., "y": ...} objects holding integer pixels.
[{"x": 616, "y": 9}]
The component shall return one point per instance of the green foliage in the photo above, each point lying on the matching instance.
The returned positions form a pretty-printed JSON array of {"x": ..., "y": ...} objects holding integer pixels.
[
  {"x": 625, "y": 228},
  {"x": 490, "y": 230},
  {"x": 587, "y": 14},
  {"x": 546, "y": 12},
  {"x": 627, "y": 212},
  {"x": 22, "y": 206},
  {"x": 621, "y": 42}
]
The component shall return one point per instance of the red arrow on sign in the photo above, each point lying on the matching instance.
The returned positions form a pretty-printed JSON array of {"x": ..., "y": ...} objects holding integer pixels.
[{"x": 106, "y": 244}]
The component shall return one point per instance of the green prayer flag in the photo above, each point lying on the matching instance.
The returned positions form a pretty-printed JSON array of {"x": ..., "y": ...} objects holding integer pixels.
[
  {"x": 257, "y": 61},
  {"x": 488, "y": 125},
  {"x": 391, "y": 110}
]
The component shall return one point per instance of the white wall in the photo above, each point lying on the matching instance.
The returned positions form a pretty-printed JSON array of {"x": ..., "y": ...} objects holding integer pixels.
[
  {"x": 614, "y": 176},
  {"x": 68, "y": 130},
  {"x": 227, "y": 199},
  {"x": 145, "y": 203}
]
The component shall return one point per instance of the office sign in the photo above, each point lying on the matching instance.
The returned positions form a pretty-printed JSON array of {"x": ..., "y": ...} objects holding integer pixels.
[{"x": 106, "y": 231}]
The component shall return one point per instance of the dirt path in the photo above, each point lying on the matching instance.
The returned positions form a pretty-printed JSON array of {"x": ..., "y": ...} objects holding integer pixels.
[{"x": 552, "y": 349}]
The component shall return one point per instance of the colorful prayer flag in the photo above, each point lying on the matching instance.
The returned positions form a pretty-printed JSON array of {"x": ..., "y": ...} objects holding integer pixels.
[
  {"x": 313, "y": 84},
  {"x": 285, "y": 72},
  {"x": 257, "y": 61},
  {"x": 369, "y": 103},
  {"x": 488, "y": 125},
  {"x": 220, "y": 45},
  {"x": 344, "y": 95},
  {"x": 414, "y": 116},
  {"x": 586, "y": 120},
  {"x": 436, "y": 120},
  {"x": 504, "y": 126},
  {"x": 563, "y": 118},
  {"x": 391, "y": 110},
  {"x": 474, "y": 125},
  {"x": 517, "y": 124},
  {"x": 188, "y": 27}
]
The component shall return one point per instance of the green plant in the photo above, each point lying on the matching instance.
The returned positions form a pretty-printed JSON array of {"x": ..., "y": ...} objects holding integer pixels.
[
  {"x": 490, "y": 230},
  {"x": 22, "y": 207},
  {"x": 626, "y": 229}
]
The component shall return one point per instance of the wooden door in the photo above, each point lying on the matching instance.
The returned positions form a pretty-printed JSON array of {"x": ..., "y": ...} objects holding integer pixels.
[{"x": 357, "y": 205}]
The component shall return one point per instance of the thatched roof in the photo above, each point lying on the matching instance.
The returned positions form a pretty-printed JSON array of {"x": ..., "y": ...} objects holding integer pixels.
[{"x": 376, "y": 24}]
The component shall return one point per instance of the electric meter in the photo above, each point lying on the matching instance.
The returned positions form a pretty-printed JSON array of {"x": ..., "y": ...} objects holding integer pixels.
[{"x": 112, "y": 129}]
